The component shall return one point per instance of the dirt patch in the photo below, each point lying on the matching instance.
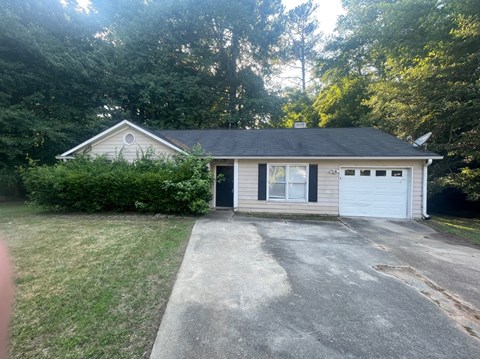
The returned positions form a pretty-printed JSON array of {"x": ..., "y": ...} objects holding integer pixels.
[{"x": 465, "y": 314}]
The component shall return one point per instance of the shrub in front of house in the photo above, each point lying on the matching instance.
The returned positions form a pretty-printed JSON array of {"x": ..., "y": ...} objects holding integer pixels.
[{"x": 180, "y": 185}]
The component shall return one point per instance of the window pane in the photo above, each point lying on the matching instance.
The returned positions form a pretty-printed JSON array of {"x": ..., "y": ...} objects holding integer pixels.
[
  {"x": 297, "y": 174},
  {"x": 364, "y": 172},
  {"x": 397, "y": 173},
  {"x": 296, "y": 191},
  {"x": 349, "y": 172},
  {"x": 381, "y": 173},
  {"x": 129, "y": 138},
  {"x": 276, "y": 190},
  {"x": 276, "y": 174}
]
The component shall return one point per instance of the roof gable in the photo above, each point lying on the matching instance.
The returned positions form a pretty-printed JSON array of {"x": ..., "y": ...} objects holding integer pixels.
[{"x": 111, "y": 130}]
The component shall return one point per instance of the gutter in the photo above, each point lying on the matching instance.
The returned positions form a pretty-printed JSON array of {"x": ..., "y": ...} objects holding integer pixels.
[
  {"x": 311, "y": 158},
  {"x": 424, "y": 196},
  {"x": 64, "y": 158}
]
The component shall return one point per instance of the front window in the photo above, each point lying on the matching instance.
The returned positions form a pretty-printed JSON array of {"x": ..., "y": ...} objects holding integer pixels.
[{"x": 287, "y": 182}]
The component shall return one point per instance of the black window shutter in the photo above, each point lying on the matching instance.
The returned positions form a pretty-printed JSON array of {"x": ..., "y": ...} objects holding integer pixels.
[
  {"x": 262, "y": 181},
  {"x": 312, "y": 183}
]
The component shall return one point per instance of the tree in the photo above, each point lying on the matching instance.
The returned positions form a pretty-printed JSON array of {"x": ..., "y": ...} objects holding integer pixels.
[
  {"x": 340, "y": 102},
  {"x": 51, "y": 72},
  {"x": 298, "y": 107},
  {"x": 155, "y": 75},
  {"x": 192, "y": 64},
  {"x": 243, "y": 36},
  {"x": 301, "y": 38}
]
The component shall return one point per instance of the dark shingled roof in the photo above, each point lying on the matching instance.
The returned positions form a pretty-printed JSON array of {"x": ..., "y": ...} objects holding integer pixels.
[{"x": 311, "y": 142}]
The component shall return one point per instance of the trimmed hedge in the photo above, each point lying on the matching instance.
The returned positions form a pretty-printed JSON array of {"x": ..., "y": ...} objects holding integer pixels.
[{"x": 181, "y": 185}]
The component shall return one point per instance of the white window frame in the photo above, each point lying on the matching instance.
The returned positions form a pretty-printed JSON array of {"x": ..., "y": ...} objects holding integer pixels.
[
  {"x": 125, "y": 138},
  {"x": 287, "y": 172}
]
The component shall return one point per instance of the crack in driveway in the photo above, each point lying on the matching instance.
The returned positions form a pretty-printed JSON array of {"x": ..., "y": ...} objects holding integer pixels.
[{"x": 466, "y": 315}]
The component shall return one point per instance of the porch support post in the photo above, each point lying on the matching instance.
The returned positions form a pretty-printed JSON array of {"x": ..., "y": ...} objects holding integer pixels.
[
  {"x": 211, "y": 168},
  {"x": 235, "y": 184}
]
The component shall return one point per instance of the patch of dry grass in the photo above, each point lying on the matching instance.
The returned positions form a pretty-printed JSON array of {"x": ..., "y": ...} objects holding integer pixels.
[{"x": 89, "y": 286}]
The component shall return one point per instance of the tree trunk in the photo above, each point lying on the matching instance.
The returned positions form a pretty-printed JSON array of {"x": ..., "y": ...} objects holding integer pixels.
[
  {"x": 233, "y": 89},
  {"x": 302, "y": 62}
]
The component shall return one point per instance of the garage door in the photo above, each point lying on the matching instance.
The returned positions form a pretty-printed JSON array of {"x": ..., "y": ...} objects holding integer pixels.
[{"x": 374, "y": 192}]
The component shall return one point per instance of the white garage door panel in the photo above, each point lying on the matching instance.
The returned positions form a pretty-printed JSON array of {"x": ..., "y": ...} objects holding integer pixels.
[{"x": 374, "y": 196}]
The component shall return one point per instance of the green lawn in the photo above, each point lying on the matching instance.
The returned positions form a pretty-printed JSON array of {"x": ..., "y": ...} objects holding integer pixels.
[
  {"x": 89, "y": 286},
  {"x": 466, "y": 228}
]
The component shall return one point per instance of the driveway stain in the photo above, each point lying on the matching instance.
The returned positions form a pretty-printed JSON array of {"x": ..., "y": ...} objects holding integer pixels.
[
  {"x": 234, "y": 271},
  {"x": 465, "y": 314}
]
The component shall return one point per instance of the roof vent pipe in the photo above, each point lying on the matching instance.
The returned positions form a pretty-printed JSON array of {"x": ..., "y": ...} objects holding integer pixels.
[{"x": 300, "y": 125}]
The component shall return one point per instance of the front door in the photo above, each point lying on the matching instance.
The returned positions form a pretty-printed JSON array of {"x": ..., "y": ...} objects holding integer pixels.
[{"x": 224, "y": 191}]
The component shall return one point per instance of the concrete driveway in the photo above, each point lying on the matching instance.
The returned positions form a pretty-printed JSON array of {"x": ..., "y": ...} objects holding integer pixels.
[{"x": 251, "y": 288}]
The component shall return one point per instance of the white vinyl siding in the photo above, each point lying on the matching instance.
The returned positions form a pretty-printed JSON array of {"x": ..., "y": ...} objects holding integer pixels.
[
  {"x": 327, "y": 186},
  {"x": 113, "y": 145}
]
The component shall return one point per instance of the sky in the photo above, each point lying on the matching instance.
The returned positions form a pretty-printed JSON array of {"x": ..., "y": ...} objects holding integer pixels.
[
  {"x": 82, "y": 5},
  {"x": 328, "y": 11}
]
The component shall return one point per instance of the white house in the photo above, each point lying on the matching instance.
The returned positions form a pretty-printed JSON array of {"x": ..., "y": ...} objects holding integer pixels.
[{"x": 332, "y": 171}]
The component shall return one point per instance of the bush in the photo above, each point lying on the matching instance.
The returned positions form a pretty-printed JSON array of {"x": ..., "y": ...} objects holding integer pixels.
[
  {"x": 181, "y": 185},
  {"x": 10, "y": 187}
]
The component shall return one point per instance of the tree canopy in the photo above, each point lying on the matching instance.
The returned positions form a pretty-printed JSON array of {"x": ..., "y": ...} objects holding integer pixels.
[{"x": 51, "y": 70}]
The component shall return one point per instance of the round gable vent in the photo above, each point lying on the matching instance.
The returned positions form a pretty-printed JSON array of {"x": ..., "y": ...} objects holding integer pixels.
[{"x": 129, "y": 138}]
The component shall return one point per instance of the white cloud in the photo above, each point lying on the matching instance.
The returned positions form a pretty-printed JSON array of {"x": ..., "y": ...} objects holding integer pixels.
[{"x": 82, "y": 5}]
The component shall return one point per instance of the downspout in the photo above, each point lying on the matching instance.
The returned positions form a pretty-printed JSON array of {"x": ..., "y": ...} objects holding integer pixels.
[
  {"x": 424, "y": 193},
  {"x": 235, "y": 184}
]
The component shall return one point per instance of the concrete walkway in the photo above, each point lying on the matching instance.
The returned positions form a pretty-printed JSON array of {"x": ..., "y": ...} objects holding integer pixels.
[{"x": 251, "y": 288}]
